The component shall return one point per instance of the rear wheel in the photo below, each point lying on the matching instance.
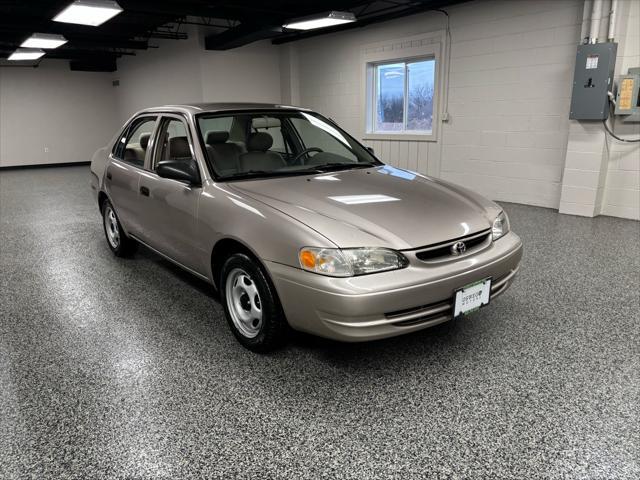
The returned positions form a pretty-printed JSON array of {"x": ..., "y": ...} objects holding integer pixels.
[
  {"x": 119, "y": 243},
  {"x": 251, "y": 304}
]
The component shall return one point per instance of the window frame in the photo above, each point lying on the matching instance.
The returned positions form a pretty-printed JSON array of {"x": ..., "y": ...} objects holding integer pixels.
[{"x": 409, "y": 54}]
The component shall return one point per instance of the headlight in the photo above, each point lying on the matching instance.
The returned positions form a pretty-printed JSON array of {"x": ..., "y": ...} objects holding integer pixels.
[
  {"x": 349, "y": 262},
  {"x": 500, "y": 226}
]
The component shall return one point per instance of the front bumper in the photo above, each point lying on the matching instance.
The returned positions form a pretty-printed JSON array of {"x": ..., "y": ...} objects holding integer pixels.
[{"x": 392, "y": 303}]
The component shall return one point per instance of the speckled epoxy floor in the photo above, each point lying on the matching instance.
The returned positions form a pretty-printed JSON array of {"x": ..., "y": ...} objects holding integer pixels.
[{"x": 126, "y": 368}]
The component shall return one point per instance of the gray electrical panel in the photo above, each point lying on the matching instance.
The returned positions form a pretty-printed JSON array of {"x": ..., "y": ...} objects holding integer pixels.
[{"x": 592, "y": 81}]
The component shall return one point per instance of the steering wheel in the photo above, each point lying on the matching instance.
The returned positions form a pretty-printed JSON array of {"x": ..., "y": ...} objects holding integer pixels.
[{"x": 304, "y": 152}]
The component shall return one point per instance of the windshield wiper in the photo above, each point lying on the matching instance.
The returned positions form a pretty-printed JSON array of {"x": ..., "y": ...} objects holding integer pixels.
[
  {"x": 331, "y": 167},
  {"x": 266, "y": 174}
]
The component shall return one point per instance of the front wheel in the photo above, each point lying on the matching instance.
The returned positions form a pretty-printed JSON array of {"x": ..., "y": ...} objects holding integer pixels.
[
  {"x": 119, "y": 243},
  {"x": 251, "y": 305}
]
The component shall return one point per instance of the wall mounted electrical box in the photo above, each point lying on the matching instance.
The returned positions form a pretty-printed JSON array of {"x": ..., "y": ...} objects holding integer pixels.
[
  {"x": 592, "y": 81},
  {"x": 628, "y": 96}
]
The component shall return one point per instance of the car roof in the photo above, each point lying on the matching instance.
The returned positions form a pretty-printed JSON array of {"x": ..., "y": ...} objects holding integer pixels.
[{"x": 195, "y": 108}]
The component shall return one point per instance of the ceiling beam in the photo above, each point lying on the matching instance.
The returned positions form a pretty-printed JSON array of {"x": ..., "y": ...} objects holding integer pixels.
[
  {"x": 371, "y": 18},
  {"x": 94, "y": 65},
  {"x": 72, "y": 53},
  {"x": 10, "y": 38}
]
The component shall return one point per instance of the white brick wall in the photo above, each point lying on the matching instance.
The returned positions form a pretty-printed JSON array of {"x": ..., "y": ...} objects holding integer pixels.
[
  {"x": 510, "y": 87},
  {"x": 50, "y": 114},
  {"x": 183, "y": 72},
  {"x": 602, "y": 175},
  {"x": 621, "y": 196},
  {"x": 511, "y": 71}
]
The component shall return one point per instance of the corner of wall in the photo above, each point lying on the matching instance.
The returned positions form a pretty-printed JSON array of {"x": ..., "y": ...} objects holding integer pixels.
[{"x": 601, "y": 174}]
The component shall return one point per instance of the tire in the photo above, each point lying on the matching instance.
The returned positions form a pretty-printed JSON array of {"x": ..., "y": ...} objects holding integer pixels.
[
  {"x": 119, "y": 243},
  {"x": 251, "y": 305}
]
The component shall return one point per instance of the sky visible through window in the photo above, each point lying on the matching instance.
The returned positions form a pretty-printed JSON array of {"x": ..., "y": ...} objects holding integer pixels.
[{"x": 391, "y": 96}]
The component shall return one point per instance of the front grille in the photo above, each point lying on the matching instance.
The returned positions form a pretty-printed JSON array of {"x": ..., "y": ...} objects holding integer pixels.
[
  {"x": 421, "y": 314},
  {"x": 442, "y": 251}
]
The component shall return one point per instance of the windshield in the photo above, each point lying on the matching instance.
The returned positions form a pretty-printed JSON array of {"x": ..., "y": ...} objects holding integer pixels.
[{"x": 267, "y": 144}]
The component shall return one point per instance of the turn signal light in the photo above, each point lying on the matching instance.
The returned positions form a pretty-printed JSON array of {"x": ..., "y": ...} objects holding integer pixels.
[{"x": 308, "y": 259}]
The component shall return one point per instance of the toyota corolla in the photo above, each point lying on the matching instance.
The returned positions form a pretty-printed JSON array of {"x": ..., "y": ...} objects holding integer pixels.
[{"x": 298, "y": 225}]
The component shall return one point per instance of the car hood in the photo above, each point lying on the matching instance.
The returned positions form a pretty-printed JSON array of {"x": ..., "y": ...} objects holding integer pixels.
[{"x": 382, "y": 206}]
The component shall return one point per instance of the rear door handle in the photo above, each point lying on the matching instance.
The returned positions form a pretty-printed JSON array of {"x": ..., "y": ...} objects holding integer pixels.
[{"x": 144, "y": 191}]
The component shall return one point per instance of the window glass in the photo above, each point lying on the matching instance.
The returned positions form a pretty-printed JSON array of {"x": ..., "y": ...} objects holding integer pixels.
[
  {"x": 403, "y": 97},
  {"x": 390, "y": 97},
  {"x": 174, "y": 141},
  {"x": 420, "y": 95},
  {"x": 271, "y": 126},
  {"x": 303, "y": 143},
  {"x": 311, "y": 133},
  {"x": 216, "y": 124},
  {"x": 134, "y": 144}
]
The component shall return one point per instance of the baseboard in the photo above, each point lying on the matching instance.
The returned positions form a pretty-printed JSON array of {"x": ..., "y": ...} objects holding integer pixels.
[{"x": 44, "y": 165}]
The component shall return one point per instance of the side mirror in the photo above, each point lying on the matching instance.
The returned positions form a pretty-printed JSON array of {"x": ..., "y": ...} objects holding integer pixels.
[
  {"x": 182, "y": 170},
  {"x": 371, "y": 151}
]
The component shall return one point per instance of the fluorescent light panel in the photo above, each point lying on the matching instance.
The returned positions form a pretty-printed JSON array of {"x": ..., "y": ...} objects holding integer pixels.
[
  {"x": 26, "y": 54},
  {"x": 44, "y": 40},
  {"x": 321, "y": 21},
  {"x": 88, "y": 12}
]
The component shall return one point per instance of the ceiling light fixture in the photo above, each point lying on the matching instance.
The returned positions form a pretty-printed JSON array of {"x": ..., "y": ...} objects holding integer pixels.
[
  {"x": 44, "y": 40},
  {"x": 26, "y": 54},
  {"x": 88, "y": 12},
  {"x": 321, "y": 21}
]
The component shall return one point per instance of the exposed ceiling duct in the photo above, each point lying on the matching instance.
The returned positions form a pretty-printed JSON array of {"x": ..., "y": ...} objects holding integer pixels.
[{"x": 140, "y": 22}]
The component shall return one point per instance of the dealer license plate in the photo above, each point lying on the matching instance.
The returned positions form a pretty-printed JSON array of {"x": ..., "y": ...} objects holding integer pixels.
[{"x": 471, "y": 297}]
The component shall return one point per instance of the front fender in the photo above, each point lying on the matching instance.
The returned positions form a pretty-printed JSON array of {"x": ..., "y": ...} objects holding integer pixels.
[{"x": 270, "y": 234}]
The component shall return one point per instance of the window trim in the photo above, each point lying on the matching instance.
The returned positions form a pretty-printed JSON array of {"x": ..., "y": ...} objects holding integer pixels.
[
  {"x": 405, "y": 98},
  {"x": 429, "y": 51}
]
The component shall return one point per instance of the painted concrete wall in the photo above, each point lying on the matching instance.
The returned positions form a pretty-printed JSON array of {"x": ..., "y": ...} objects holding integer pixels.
[
  {"x": 183, "y": 71},
  {"x": 71, "y": 114},
  {"x": 52, "y": 115},
  {"x": 510, "y": 86},
  {"x": 602, "y": 174},
  {"x": 621, "y": 196}
]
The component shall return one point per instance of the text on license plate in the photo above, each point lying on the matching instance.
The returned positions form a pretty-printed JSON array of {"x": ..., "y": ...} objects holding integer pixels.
[{"x": 471, "y": 297}]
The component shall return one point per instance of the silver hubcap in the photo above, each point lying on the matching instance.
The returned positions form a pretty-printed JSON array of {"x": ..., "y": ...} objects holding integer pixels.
[
  {"x": 111, "y": 227},
  {"x": 244, "y": 302}
]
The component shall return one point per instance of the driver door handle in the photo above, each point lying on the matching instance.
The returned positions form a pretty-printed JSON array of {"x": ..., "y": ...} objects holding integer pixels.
[{"x": 144, "y": 191}]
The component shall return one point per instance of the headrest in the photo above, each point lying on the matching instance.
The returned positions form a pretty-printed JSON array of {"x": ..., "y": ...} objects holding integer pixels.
[
  {"x": 144, "y": 140},
  {"x": 259, "y": 142},
  {"x": 179, "y": 147},
  {"x": 214, "y": 137},
  {"x": 265, "y": 122}
]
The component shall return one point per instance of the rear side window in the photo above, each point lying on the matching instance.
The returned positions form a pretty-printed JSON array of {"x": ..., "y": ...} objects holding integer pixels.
[{"x": 132, "y": 146}]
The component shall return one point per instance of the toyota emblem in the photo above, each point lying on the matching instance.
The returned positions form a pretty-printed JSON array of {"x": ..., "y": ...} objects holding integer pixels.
[{"x": 458, "y": 248}]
